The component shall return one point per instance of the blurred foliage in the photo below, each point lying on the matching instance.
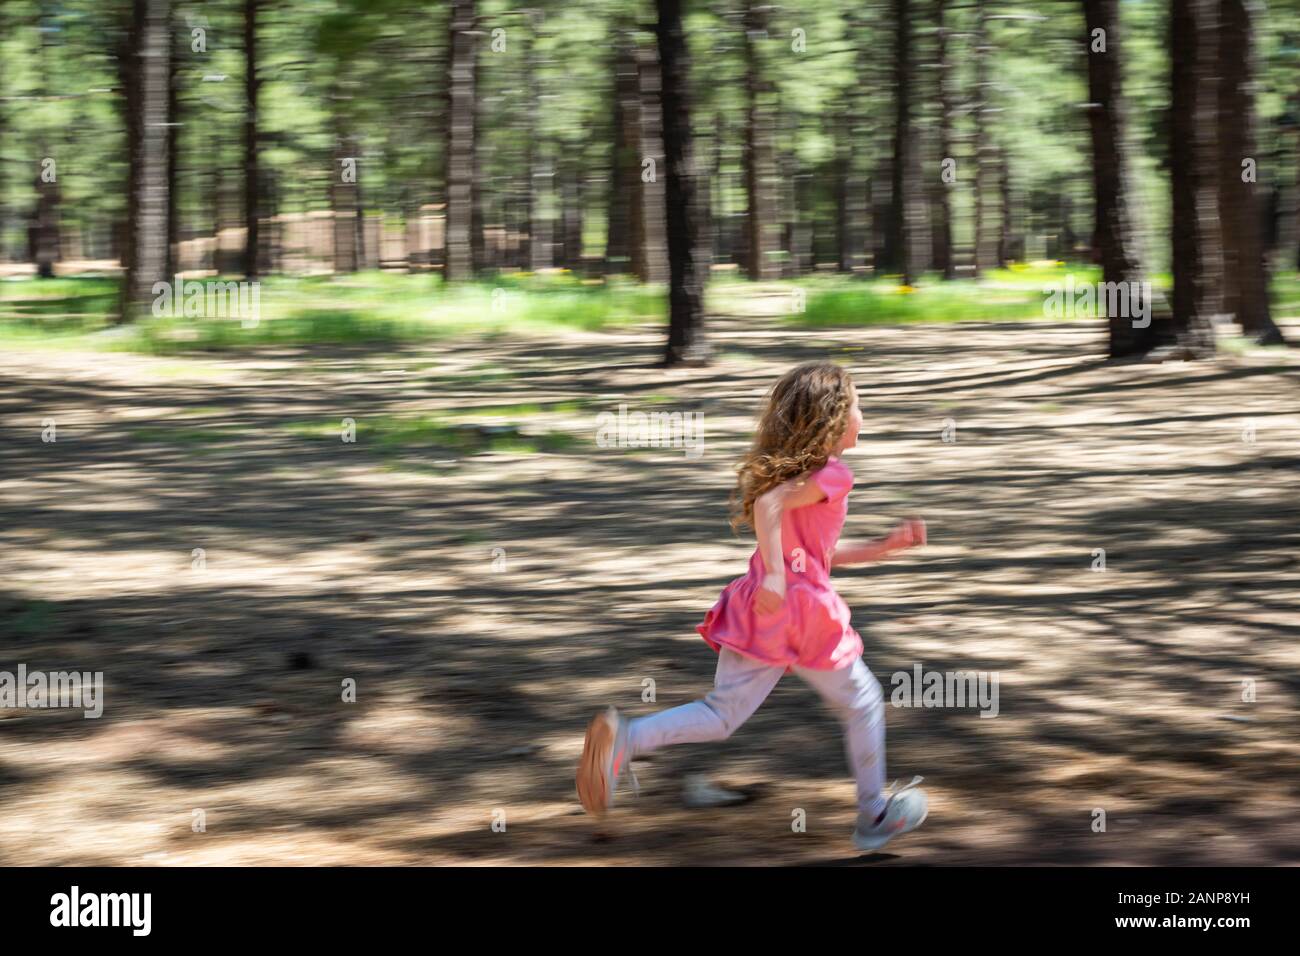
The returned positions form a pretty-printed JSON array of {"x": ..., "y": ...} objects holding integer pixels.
[{"x": 375, "y": 70}]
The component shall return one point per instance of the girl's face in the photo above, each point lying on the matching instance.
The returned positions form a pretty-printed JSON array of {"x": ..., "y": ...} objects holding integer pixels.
[{"x": 850, "y": 437}]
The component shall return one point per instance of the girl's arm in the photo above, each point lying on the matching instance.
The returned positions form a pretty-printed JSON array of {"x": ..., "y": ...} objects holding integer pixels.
[
  {"x": 909, "y": 534},
  {"x": 768, "y": 508}
]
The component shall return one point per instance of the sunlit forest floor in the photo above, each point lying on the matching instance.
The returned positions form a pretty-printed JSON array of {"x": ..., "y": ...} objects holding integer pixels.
[{"x": 489, "y": 577}]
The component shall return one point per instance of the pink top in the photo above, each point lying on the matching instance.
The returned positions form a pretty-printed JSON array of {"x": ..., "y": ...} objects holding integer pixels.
[{"x": 812, "y": 628}]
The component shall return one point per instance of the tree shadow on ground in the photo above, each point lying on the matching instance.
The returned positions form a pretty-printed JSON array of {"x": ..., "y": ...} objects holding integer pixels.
[{"x": 487, "y": 602}]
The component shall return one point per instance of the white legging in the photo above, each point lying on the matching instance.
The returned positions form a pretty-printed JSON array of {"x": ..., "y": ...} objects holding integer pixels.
[{"x": 742, "y": 684}]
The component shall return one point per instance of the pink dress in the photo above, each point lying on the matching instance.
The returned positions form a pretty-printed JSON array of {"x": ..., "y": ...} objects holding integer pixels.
[{"x": 812, "y": 628}]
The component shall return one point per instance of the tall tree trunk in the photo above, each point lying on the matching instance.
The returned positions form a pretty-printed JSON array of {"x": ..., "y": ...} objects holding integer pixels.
[
  {"x": 1241, "y": 213},
  {"x": 1006, "y": 216},
  {"x": 901, "y": 235},
  {"x": 214, "y": 193},
  {"x": 571, "y": 215},
  {"x": 798, "y": 211},
  {"x": 1193, "y": 173},
  {"x": 532, "y": 170},
  {"x": 625, "y": 159},
  {"x": 651, "y": 258},
  {"x": 434, "y": 254},
  {"x": 863, "y": 224},
  {"x": 343, "y": 195},
  {"x": 713, "y": 194},
  {"x": 173, "y": 152},
  {"x": 149, "y": 199},
  {"x": 3, "y": 130},
  {"x": 986, "y": 249},
  {"x": 880, "y": 204},
  {"x": 1067, "y": 239},
  {"x": 759, "y": 171},
  {"x": 1118, "y": 232},
  {"x": 1294, "y": 207},
  {"x": 842, "y": 173},
  {"x": 128, "y": 75},
  {"x": 481, "y": 257},
  {"x": 358, "y": 219},
  {"x": 802, "y": 245},
  {"x": 542, "y": 167},
  {"x": 460, "y": 152},
  {"x": 686, "y": 342},
  {"x": 45, "y": 223},
  {"x": 941, "y": 218},
  {"x": 251, "y": 183},
  {"x": 128, "y": 65},
  {"x": 44, "y": 229},
  {"x": 542, "y": 246},
  {"x": 1275, "y": 213},
  {"x": 270, "y": 242}
]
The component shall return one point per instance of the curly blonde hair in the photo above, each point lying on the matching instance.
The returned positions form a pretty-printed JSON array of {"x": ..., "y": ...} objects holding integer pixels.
[{"x": 805, "y": 416}]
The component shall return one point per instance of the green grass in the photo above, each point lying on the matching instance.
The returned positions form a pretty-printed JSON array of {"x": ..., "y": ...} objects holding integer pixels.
[
  {"x": 1002, "y": 295},
  {"x": 53, "y": 311},
  {"x": 382, "y": 308},
  {"x": 520, "y": 410},
  {"x": 1015, "y": 294},
  {"x": 448, "y": 433},
  {"x": 370, "y": 308},
  {"x": 1285, "y": 289},
  {"x": 1242, "y": 345}
]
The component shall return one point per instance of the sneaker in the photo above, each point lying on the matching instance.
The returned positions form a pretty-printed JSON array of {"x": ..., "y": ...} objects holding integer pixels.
[
  {"x": 604, "y": 755},
  {"x": 906, "y": 810},
  {"x": 700, "y": 793}
]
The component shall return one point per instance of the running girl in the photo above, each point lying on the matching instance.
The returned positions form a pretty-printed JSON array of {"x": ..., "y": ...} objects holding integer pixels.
[{"x": 784, "y": 615}]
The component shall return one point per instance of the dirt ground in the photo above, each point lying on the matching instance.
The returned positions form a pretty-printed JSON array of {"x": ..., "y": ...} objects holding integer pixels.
[{"x": 487, "y": 603}]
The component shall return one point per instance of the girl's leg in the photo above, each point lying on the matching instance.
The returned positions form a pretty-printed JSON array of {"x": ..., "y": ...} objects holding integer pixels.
[
  {"x": 739, "y": 686},
  {"x": 855, "y": 697}
]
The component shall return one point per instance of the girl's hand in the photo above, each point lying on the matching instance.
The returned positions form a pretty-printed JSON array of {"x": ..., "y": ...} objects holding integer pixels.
[
  {"x": 771, "y": 594},
  {"x": 910, "y": 533}
]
